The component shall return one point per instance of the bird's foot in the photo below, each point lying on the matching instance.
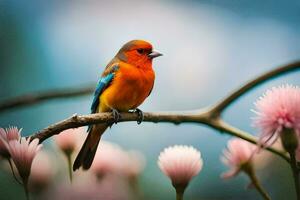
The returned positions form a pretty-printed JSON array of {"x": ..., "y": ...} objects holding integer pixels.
[
  {"x": 140, "y": 115},
  {"x": 116, "y": 115}
]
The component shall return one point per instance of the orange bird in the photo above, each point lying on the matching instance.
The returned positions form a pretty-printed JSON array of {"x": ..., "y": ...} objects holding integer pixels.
[{"x": 125, "y": 83}]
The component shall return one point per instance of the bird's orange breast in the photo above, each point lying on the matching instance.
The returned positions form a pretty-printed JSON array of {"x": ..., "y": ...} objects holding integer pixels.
[{"x": 130, "y": 87}]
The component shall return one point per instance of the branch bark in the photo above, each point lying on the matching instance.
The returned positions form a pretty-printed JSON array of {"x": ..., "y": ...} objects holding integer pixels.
[
  {"x": 210, "y": 117},
  {"x": 76, "y": 121},
  {"x": 227, "y": 101},
  {"x": 200, "y": 117},
  {"x": 34, "y": 98}
]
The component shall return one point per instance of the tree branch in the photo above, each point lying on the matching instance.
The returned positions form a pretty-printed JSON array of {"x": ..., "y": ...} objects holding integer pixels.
[
  {"x": 210, "y": 117},
  {"x": 231, "y": 130},
  {"x": 83, "y": 120},
  {"x": 227, "y": 101},
  {"x": 34, "y": 98},
  {"x": 200, "y": 117}
]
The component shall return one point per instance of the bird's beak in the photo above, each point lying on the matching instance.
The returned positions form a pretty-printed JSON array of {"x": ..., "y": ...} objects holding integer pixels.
[{"x": 154, "y": 54}]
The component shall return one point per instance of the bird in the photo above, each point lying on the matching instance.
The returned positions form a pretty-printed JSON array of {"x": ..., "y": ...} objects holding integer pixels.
[{"x": 125, "y": 83}]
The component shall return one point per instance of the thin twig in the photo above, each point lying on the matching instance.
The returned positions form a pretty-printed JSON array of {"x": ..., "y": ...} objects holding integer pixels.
[
  {"x": 255, "y": 182},
  {"x": 227, "y": 101},
  {"x": 34, "y": 98},
  {"x": 224, "y": 127}
]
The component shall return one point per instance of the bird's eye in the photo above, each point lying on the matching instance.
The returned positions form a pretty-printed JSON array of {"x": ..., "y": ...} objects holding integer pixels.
[{"x": 140, "y": 51}]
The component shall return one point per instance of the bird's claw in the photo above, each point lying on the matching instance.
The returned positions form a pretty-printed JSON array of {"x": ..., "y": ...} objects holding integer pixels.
[
  {"x": 116, "y": 115},
  {"x": 140, "y": 115}
]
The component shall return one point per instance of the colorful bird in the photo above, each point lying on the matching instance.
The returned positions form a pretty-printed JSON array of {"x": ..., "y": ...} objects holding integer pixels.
[{"x": 125, "y": 83}]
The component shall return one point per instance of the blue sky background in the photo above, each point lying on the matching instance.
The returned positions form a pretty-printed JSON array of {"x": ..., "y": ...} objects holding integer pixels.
[{"x": 210, "y": 48}]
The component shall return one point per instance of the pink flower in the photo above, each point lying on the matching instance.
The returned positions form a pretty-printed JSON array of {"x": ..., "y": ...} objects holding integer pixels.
[
  {"x": 237, "y": 155},
  {"x": 109, "y": 159},
  {"x": 22, "y": 153},
  {"x": 111, "y": 187},
  {"x": 42, "y": 171},
  {"x": 67, "y": 140},
  {"x": 276, "y": 110},
  {"x": 264, "y": 159},
  {"x": 134, "y": 165},
  {"x": 109, "y": 156},
  {"x": 11, "y": 133},
  {"x": 180, "y": 164}
]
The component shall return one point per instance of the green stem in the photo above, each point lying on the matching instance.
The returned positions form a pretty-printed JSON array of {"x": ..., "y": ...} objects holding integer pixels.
[
  {"x": 250, "y": 172},
  {"x": 69, "y": 159},
  {"x": 179, "y": 196},
  {"x": 25, "y": 186},
  {"x": 13, "y": 171},
  {"x": 26, "y": 192},
  {"x": 295, "y": 171},
  {"x": 179, "y": 192},
  {"x": 133, "y": 182},
  {"x": 290, "y": 143}
]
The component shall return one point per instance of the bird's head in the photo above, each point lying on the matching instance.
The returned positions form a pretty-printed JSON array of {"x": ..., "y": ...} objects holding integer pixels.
[{"x": 138, "y": 53}]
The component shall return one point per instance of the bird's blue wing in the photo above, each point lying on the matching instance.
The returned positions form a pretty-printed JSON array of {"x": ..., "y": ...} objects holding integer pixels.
[{"x": 102, "y": 84}]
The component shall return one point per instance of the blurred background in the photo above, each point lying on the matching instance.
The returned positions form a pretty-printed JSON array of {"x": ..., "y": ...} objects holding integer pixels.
[{"x": 210, "y": 48}]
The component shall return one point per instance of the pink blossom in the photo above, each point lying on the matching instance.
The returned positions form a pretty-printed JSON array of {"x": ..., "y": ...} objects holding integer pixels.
[
  {"x": 22, "y": 153},
  {"x": 111, "y": 187},
  {"x": 42, "y": 172},
  {"x": 11, "y": 133},
  {"x": 110, "y": 158},
  {"x": 67, "y": 140},
  {"x": 180, "y": 163},
  {"x": 134, "y": 165},
  {"x": 277, "y": 109},
  {"x": 238, "y": 153},
  {"x": 263, "y": 159}
]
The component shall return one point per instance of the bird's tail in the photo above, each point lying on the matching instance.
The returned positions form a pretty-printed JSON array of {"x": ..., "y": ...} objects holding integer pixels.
[{"x": 88, "y": 150}]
